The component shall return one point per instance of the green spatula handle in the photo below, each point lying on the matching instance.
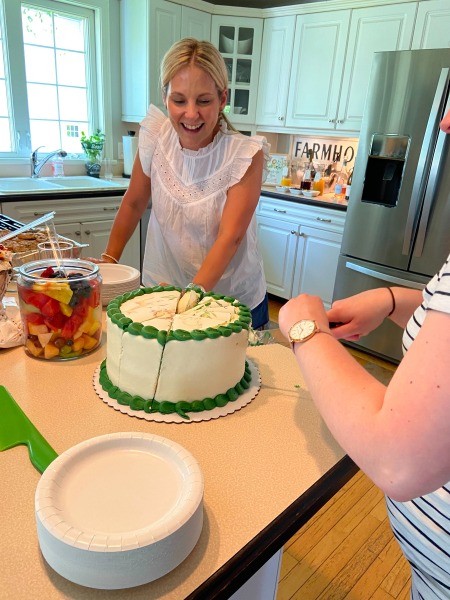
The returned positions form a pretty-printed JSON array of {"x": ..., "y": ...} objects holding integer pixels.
[{"x": 16, "y": 428}]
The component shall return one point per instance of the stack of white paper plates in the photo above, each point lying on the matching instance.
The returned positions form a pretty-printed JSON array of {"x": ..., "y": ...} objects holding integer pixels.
[
  {"x": 117, "y": 279},
  {"x": 119, "y": 510}
]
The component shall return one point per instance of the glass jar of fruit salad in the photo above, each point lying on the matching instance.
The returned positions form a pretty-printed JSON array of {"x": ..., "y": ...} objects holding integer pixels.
[{"x": 61, "y": 308}]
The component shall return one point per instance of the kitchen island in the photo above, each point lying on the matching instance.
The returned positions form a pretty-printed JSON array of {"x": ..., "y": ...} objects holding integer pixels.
[{"x": 267, "y": 469}]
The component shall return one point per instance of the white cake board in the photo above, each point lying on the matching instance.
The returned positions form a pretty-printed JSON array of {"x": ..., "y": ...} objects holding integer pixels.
[{"x": 195, "y": 417}]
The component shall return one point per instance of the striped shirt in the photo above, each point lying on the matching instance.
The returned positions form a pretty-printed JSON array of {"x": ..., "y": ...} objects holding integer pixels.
[{"x": 422, "y": 525}]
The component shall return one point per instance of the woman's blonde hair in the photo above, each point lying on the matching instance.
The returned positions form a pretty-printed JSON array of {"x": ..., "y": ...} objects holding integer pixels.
[{"x": 200, "y": 53}]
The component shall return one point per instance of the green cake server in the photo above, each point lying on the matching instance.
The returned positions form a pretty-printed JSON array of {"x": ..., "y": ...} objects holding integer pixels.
[{"x": 16, "y": 428}]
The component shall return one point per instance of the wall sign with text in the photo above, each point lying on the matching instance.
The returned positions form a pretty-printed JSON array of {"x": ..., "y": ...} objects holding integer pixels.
[{"x": 325, "y": 150}]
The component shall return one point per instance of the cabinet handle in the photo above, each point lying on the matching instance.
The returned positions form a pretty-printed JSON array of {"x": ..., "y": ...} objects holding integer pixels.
[
  {"x": 322, "y": 219},
  {"x": 279, "y": 210},
  {"x": 293, "y": 232},
  {"x": 111, "y": 208},
  {"x": 78, "y": 233},
  {"x": 331, "y": 120},
  {"x": 88, "y": 232},
  {"x": 281, "y": 118},
  {"x": 340, "y": 121},
  {"x": 36, "y": 214}
]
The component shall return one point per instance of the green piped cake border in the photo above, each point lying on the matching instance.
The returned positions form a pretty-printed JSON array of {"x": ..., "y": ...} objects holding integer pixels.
[
  {"x": 164, "y": 406},
  {"x": 113, "y": 311}
]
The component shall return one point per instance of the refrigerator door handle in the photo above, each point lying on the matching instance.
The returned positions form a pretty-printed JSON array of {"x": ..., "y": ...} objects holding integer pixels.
[
  {"x": 384, "y": 276},
  {"x": 435, "y": 171},
  {"x": 423, "y": 165}
]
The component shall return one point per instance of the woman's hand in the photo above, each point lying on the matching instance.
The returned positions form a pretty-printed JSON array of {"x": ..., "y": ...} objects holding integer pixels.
[
  {"x": 302, "y": 307},
  {"x": 358, "y": 315}
]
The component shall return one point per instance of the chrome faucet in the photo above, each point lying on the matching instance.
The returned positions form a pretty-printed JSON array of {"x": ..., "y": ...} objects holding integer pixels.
[{"x": 37, "y": 166}]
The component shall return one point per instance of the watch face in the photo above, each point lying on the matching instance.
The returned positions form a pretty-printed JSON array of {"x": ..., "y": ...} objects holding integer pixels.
[{"x": 302, "y": 330}]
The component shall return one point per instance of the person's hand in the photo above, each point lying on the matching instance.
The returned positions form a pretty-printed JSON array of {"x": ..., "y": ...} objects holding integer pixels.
[
  {"x": 358, "y": 315},
  {"x": 96, "y": 261},
  {"x": 302, "y": 307}
]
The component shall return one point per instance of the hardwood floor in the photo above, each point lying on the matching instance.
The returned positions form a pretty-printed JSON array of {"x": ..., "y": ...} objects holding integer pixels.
[{"x": 347, "y": 550}]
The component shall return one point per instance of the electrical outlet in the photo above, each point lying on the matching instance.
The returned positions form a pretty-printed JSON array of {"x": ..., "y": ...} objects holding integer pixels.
[{"x": 120, "y": 150}]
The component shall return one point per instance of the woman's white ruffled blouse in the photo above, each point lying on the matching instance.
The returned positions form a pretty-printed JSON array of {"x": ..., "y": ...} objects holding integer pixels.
[{"x": 189, "y": 191}]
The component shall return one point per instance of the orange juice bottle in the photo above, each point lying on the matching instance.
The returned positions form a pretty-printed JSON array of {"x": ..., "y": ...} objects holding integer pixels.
[{"x": 318, "y": 183}]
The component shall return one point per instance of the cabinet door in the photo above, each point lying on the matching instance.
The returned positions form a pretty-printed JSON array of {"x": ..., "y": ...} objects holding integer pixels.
[
  {"x": 277, "y": 242},
  {"x": 275, "y": 70},
  {"x": 165, "y": 30},
  {"x": 316, "y": 263},
  {"x": 195, "y": 23},
  {"x": 371, "y": 30},
  {"x": 318, "y": 61},
  {"x": 239, "y": 41},
  {"x": 148, "y": 29},
  {"x": 96, "y": 234},
  {"x": 432, "y": 28}
]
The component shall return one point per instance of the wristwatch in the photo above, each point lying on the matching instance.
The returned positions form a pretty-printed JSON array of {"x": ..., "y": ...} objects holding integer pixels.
[{"x": 303, "y": 331}]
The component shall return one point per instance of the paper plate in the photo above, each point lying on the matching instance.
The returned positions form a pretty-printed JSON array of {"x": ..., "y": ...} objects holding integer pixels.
[
  {"x": 119, "y": 510},
  {"x": 113, "y": 274}
]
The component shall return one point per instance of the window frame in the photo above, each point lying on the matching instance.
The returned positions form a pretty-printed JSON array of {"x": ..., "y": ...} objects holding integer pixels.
[{"x": 98, "y": 13}]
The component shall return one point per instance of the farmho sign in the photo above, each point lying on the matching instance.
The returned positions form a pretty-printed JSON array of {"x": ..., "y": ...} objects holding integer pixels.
[{"x": 325, "y": 150}]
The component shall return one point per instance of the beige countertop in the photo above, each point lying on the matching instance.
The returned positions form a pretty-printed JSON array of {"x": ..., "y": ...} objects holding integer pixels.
[{"x": 257, "y": 464}]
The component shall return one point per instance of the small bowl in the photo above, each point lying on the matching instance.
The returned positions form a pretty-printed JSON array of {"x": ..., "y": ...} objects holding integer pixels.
[
  {"x": 295, "y": 191},
  {"x": 310, "y": 193},
  {"x": 282, "y": 188}
]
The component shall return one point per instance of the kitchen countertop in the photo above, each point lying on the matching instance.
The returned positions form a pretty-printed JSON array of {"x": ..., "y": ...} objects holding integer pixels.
[
  {"x": 327, "y": 200},
  {"x": 261, "y": 485},
  {"x": 119, "y": 188}
]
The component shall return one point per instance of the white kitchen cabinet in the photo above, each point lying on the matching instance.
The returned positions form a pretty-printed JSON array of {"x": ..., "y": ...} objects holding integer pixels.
[
  {"x": 300, "y": 246},
  {"x": 371, "y": 30},
  {"x": 239, "y": 42},
  {"x": 332, "y": 60},
  {"x": 85, "y": 220},
  {"x": 317, "y": 66},
  {"x": 432, "y": 28},
  {"x": 275, "y": 70},
  {"x": 278, "y": 245},
  {"x": 148, "y": 30},
  {"x": 195, "y": 23}
]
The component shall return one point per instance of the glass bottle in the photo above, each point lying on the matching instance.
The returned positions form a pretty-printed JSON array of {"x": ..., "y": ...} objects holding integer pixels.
[
  {"x": 319, "y": 182},
  {"x": 340, "y": 186},
  {"x": 309, "y": 174},
  {"x": 286, "y": 179},
  {"x": 349, "y": 184}
]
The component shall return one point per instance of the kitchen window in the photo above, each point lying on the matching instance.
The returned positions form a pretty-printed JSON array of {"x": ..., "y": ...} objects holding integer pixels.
[{"x": 48, "y": 87}]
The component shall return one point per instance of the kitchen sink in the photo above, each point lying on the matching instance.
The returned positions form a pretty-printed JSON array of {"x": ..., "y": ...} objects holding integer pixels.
[
  {"x": 17, "y": 185},
  {"x": 24, "y": 184}
]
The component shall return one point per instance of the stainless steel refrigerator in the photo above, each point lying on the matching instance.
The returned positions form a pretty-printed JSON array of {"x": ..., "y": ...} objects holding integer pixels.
[{"x": 397, "y": 230}]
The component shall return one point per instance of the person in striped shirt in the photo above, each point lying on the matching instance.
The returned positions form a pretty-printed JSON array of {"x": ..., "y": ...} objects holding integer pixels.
[{"x": 399, "y": 434}]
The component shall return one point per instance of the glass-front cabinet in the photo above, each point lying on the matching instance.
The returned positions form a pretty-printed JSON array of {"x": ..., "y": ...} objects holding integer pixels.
[{"x": 239, "y": 42}]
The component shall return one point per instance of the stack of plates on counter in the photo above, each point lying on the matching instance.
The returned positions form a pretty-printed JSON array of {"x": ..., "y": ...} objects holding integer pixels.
[
  {"x": 119, "y": 510},
  {"x": 118, "y": 279}
]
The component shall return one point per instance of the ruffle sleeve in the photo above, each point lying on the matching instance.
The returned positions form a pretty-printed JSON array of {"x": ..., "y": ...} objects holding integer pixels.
[
  {"x": 244, "y": 156},
  {"x": 149, "y": 132}
]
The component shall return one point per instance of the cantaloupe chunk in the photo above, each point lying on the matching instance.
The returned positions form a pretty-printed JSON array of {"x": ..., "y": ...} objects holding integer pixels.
[
  {"x": 50, "y": 350},
  {"x": 89, "y": 342},
  {"x": 78, "y": 344},
  {"x": 35, "y": 350},
  {"x": 44, "y": 338},
  {"x": 34, "y": 329}
]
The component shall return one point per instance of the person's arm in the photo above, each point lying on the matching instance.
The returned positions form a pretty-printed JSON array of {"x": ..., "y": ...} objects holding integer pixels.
[
  {"x": 360, "y": 314},
  {"x": 132, "y": 207},
  {"x": 240, "y": 205},
  {"x": 399, "y": 435}
]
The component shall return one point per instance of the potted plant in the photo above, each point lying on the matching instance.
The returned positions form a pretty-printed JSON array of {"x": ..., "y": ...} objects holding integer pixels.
[{"x": 93, "y": 148}]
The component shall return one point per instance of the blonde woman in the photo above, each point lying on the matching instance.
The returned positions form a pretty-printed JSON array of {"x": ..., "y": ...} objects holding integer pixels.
[{"x": 204, "y": 180}]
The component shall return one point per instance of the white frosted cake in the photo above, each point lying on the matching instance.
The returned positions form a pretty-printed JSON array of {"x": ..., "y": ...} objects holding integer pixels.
[{"x": 174, "y": 353}]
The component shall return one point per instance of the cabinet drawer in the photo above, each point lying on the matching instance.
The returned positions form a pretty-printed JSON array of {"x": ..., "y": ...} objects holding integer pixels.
[
  {"x": 67, "y": 210},
  {"x": 315, "y": 216}
]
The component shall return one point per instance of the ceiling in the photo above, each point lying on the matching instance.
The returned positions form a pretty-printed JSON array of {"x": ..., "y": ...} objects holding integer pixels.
[{"x": 259, "y": 3}]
